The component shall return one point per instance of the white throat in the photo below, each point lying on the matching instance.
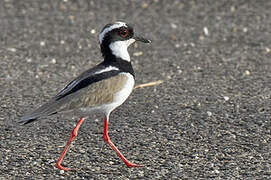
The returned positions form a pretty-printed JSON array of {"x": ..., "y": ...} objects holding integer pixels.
[{"x": 119, "y": 49}]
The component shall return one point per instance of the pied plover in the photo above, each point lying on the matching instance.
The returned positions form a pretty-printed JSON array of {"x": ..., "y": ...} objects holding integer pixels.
[{"x": 101, "y": 88}]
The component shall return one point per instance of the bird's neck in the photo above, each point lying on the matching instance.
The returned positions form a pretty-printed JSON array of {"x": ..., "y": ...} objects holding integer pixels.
[
  {"x": 119, "y": 62},
  {"x": 115, "y": 50},
  {"x": 119, "y": 49}
]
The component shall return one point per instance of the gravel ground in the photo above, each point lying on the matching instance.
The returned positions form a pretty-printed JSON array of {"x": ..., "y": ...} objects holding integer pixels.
[{"x": 209, "y": 119}]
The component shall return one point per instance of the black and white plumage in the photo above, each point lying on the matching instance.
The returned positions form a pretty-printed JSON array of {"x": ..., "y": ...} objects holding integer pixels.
[{"x": 102, "y": 88}]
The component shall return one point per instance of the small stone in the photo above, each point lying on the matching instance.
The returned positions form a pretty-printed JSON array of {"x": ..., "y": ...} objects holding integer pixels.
[
  {"x": 97, "y": 168},
  {"x": 177, "y": 45},
  {"x": 62, "y": 42},
  {"x": 144, "y": 5},
  {"x": 209, "y": 113},
  {"x": 42, "y": 43},
  {"x": 12, "y": 49},
  {"x": 139, "y": 53},
  {"x": 53, "y": 61},
  {"x": 28, "y": 60},
  {"x": 71, "y": 18},
  {"x": 93, "y": 31},
  {"x": 226, "y": 98},
  {"x": 206, "y": 31},
  {"x": 245, "y": 30},
  {"x": 174, "y": 26},
  {"x": 141, "y": 173},
  {"x": 82, "y": 151},
  {"x": 216, "y": 171},
  {"x": 267, "y": 50},
  {"x": 247, "y": 72},
  {"x": 62, "y": 171},
  {"x": 201, "y": 38}
]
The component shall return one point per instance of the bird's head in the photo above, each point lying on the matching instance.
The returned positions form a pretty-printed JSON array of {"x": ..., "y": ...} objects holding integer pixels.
[{"x": 115, "y": 38}]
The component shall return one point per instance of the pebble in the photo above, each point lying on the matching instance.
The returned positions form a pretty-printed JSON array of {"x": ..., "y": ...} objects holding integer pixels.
[
  {"x": 206, "y": 31},
  {"x": 245, "y": 30},
  {"x": 141, "y": 173},
  {"x": 177, "y": 45},
  {"x": 174, "y": 26},
  {"x": 111, "y": 162},
  {"x": 144, "y": 5},
  {"x": 139, "y": 53},
  {"x": 42, "y": 43},
  {"x": 28, "y": 60},
  {"x": 12, "y": 49},
  {"x": 226, "y": 98},
  {"x": 247, "y": 72},
  {"x": 216, "y": 171},
  {"x": 53, "y": 61},
  {"x": 93, "y": 31}
]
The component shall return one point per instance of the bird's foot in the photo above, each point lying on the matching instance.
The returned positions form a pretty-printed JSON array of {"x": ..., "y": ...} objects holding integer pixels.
[
  {"x": 59, "y": 166},
  {"x": 131, "y": 165}
]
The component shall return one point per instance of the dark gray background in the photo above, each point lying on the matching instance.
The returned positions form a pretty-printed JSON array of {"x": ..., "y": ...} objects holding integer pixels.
[{"x": 209, "y": 119}]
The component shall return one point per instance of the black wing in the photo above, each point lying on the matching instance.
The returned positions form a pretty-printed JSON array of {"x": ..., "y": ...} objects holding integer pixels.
[{"x": 85, "y": 79}]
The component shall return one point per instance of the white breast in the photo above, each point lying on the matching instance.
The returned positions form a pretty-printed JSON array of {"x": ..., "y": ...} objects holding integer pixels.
[{"x": 122, "y": 95}]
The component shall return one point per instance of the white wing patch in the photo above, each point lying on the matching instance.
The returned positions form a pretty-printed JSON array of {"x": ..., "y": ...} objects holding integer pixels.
[{"x": 107, "y": 69}]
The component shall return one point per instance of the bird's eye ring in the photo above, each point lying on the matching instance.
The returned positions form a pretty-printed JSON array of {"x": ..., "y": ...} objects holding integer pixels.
[{"x": 123, "y": 33}]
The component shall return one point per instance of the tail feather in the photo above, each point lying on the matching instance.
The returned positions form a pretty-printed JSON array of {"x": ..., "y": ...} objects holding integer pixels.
[
  {"x": 23, "y": 121},
  {"x": 52, "y": 107},
  {"x": 45, "y": 110}
]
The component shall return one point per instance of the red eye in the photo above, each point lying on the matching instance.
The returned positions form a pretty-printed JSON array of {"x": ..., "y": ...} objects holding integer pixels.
[{"x": 124, "y": 32}]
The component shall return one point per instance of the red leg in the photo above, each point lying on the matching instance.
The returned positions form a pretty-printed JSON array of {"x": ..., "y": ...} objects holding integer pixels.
[
  {"x": 107, "y": 139},
  {"x": 73, "y": 135}
]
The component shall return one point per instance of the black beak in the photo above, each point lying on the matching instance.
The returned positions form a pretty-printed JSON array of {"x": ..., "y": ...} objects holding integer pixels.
[{"x": 138, "y": 38}]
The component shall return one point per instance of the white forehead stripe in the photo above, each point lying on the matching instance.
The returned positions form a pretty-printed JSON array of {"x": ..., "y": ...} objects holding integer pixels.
[{"x": 110, "y": 28}]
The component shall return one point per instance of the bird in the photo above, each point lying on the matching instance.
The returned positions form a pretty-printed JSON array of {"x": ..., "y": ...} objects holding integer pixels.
[{"x": 102, "y": 88}]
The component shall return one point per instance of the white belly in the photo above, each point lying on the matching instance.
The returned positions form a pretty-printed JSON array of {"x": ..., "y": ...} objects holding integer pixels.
[{"x": 121, "y": 96}]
